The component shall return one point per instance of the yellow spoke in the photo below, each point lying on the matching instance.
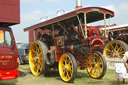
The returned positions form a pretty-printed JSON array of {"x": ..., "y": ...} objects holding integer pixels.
[
  {"x": 67, "y": 75},
  {"x": 36, "y": 47},
  {"x": 122, "y": 52},
  {"x": 40, "y": 62},
  {"x": 38, "y": 51},
  {"x": 111, "y": 54},
  {"x": 40, "y": 59},
  {"x": 116, "y": 47},
  {"x": 109, "y": 50},
  {"x": 33, "y": 61},
  {"x": 119, "y": 48},
  {"x": 94, "y": 70},
  {"x": 64, "y": 70},
  {"x": 97, "y": 59},
  {"x": 91, "y": 70},
  {"x": 35, "y": 68},
  {"x": 40, "y": 54},
  {"x": 94, "y": 60},
  {"x": 39, "y": 67},
  {"x": 112, "y": 46},
  {"x": 99, "y": 70},
  {"x": 33, "y": 50}
]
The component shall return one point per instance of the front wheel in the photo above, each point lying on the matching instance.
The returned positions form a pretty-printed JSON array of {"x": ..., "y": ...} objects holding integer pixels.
[
  {"x": 96, "y": 65},
  {"x": 67, "y": 67}
]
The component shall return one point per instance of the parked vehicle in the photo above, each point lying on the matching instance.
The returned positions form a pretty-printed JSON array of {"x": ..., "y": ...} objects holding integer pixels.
[
  {"x": 9, "y": 60},
  {"x": 23, "y": 50},
  {"x": 117, "y": 43}
]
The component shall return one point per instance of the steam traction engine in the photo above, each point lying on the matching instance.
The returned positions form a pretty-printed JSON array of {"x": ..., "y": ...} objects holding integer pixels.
[
  {"x": 117, "y": 42},
  {"x": 67, "y": 42}
]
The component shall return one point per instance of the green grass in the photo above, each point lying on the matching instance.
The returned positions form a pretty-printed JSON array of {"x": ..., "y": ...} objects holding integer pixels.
[{"x": 53, "y": 78}]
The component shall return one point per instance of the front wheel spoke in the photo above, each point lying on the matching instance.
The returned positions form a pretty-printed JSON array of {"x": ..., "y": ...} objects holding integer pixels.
[
  {"x": 65, "y": 62},
  {"x": 100, "y": 70},
  {"x": 64, "y": 70},
  {"x": 97, "y": 59},
  {"x": 94, "y": 60},
  {"x": 66, "y": 58},
  {"x": 70, "y": 63},
  {"x": 67, "y": 75},
  {"x": 99, "y": 62},
  {"x": 91, "y": 70},
  {"x": 99, "y": 66},
  {"x": 95, "y": 70},
  {"x": 69, "y": 67}
]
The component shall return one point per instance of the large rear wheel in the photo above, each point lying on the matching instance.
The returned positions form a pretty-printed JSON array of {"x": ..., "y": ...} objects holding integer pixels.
[
  {"x": 67, "y": 67},
  {"x": 96, "y": 65},
  {"x": 37, "y": 55},
  {"x": 115, "y": 49}
]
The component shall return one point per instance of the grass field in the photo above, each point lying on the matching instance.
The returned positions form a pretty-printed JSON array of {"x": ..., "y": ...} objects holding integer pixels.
[{"x": 53, "y": 78}]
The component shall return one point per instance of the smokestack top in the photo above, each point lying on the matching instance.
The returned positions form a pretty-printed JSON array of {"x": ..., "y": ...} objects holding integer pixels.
[{"x": 78, "y": 4}]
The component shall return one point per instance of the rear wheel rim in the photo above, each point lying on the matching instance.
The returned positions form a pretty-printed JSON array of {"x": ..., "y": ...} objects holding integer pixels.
[
  {"x": 66, "y": 67},
  {"x": 114, "y": 49},
  {"x": 96, "y": 67},
  {"x": 36, "y": 58}
]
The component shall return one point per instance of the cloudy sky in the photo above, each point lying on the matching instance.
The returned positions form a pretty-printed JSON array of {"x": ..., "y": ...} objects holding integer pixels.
[{"x": 32, "y": 10}]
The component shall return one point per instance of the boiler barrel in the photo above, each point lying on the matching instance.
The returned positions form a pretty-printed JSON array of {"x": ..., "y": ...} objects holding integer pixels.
[{"x": 78, "y": 48}]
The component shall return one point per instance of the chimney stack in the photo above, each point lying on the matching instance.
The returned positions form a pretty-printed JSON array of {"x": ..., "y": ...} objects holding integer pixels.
[{"x": 78, "y": 4}]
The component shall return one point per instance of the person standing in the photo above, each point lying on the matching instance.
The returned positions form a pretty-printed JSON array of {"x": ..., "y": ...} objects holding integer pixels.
[{"x": 125, "y": 60}]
